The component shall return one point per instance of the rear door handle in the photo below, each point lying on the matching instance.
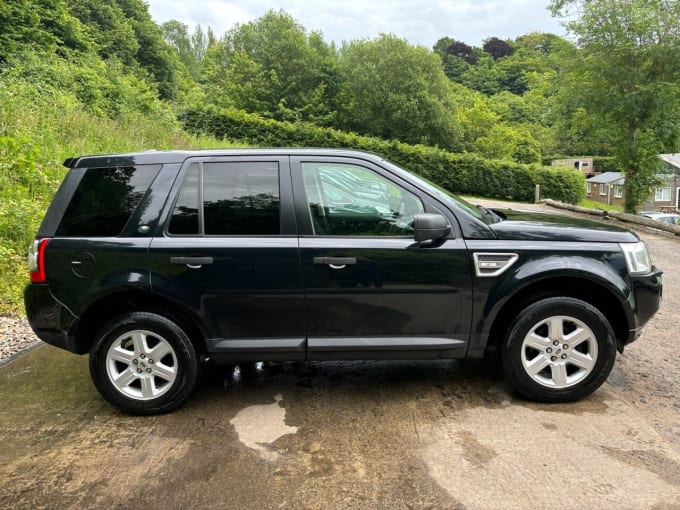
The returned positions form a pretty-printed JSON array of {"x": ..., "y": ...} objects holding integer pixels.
[
  {"x": 335, "y": 262},
  {"x": 191, "y": 262}
]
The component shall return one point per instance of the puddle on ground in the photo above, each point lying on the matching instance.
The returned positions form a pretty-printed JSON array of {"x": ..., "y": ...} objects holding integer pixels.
[{"x": 259, "y": 426}]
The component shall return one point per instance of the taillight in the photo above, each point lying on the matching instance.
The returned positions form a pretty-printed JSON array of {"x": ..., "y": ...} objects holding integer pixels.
[{"x": 36, "y": 260}]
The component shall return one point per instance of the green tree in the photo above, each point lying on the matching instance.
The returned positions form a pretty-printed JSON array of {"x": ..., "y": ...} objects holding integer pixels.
[
  {"x": 273, "y": 67},
  {"x": 190, "y": 48},
  {"x": 483, "y": 76},
  {"x": 153, "y": 55},
  {"x": 627, "y": 69},
  {"x": 391, "y": 89},
  {"x": 108, "y": 26}
]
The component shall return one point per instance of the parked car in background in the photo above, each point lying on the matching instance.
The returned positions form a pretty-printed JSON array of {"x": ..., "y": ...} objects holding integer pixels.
[{"x": 670, "y": 218}]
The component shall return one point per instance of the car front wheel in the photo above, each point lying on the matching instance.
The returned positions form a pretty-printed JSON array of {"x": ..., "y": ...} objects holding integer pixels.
[
  {"x": 559, "y": 350},
  {"x": 144, "y": 363}
]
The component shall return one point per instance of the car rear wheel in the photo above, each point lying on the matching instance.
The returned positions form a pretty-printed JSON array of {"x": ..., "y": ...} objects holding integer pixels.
[
  {"x": 144, "y": 363},
  {"x": 559, "y": 350}
]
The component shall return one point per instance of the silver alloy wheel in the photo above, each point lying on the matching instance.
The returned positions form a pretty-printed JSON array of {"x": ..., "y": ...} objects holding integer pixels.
[
  {"x": 559, "y": 352},
  {"x": 141, "y": 365}
]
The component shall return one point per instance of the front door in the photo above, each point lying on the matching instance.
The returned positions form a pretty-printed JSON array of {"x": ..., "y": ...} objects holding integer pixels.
[
  {"x": 371, "y": 290},
  {"x": 229, "y": 254}
]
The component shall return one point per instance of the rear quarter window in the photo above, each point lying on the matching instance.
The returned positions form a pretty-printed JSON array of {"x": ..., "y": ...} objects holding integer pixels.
[{"x": 105, "y": 199}]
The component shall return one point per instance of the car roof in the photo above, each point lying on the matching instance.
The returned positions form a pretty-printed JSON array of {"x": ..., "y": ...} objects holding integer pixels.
[{"x": 151, "y": 157}]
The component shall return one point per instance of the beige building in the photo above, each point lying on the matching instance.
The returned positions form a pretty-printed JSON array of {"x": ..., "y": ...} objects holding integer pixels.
[{"x": 583, "y": 165}]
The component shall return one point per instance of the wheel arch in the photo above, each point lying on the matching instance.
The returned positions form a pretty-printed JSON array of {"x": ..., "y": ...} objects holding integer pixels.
[
  {"x": 592, "y": 292},
  {"x": 112, "y": 305}
]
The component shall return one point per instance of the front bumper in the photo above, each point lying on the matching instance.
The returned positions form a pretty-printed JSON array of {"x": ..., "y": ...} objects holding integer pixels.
[{"x": 646, "y": 294}]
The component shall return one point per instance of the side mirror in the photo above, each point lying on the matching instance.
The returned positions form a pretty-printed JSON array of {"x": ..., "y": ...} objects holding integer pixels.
[{"x": 430, "y": 227}]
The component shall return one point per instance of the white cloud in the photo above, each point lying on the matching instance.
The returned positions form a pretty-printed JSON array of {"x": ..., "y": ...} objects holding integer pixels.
[{"x": 420, "y": 23}]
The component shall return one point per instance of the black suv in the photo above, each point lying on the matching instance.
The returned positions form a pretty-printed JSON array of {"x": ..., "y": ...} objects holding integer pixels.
[{"x": 156, "y": 261}]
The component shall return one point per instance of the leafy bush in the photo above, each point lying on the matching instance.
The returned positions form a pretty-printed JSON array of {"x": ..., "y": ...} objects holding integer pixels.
[
  {"x": 460, "y": 173},
  {"x": 104, "y": 88}
]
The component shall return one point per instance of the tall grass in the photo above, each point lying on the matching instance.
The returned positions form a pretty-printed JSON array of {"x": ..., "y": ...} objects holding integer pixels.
[{"x": 41, "y": 126}]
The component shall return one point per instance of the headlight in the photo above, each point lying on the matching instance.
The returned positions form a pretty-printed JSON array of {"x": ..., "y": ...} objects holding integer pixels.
[{"x": 637, "y": 258}]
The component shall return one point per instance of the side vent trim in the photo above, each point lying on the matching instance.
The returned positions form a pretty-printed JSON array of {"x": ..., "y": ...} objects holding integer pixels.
[{"x": 488, "y": 265}]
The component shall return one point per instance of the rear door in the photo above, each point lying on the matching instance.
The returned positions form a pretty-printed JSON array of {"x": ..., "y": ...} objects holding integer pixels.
[
  {"x": 229, "y": 254},
  {"x": 371, "y": 290}
]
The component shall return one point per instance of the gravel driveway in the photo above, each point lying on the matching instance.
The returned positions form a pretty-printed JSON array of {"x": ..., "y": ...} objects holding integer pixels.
[{"x": 15, "y": 336}]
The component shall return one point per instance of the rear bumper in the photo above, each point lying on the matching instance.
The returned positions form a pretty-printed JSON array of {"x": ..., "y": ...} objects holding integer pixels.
[{"x": 50, "y": 320}]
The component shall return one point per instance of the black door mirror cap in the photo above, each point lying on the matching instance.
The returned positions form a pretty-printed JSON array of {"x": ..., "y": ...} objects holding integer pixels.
[{"x": 430, "y": 227}]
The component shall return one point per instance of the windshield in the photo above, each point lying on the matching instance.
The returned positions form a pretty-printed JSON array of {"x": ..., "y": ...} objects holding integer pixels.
[{"x": 437, "y": 190}]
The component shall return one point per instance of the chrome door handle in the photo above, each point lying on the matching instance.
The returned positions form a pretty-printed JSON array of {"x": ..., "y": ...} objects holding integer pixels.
[
  {"x": 336, "y": 262},
  {"x": 191, "y": 262}
]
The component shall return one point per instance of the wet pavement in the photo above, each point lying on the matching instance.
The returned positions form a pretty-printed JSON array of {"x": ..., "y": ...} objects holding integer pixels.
[
  {"x": 325, "y": 435},
  {"x": 346, "y": 435}
]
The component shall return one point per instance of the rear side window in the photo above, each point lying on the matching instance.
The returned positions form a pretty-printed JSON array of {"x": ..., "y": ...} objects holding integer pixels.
[
  {"x": 105, "y": 199},
  {"x": 228, "y": 199}
]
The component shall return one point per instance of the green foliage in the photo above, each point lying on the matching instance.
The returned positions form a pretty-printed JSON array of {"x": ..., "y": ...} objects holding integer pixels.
[
  {"x": 153, "y": 55},
  {"x": 489, "y": 128},
  {"x": 394, "y": 90},
  {"x": 108, "y": 27},
  {"x": 190, "y": 48},
  {"x": 104, "y": 88},
  {"x": 561, "y": 184},
  {"x": 459, "y": 173},
  {"x": 43, "y": 24},
  {"x": 44, "y": 122},
  {"x": 13, "y": 281},
  {"x": 120, "y": 30},
  {"x": 271, "y": 66}
]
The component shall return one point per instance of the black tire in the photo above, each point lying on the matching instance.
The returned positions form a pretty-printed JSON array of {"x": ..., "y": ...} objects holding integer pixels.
[
  {"x": 125, "y": 373},
  {"x": 535, "y": 359}
]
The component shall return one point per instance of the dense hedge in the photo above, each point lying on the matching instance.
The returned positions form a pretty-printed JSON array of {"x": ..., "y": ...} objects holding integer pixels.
[{"x": 459, "y": 173}]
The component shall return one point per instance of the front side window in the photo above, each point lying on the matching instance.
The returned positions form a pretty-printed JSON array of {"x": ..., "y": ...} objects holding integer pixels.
[
  {"x": 228, "y": 199},
  {"x": 589, "y": 187},
  {"x": 105, "y": 199},
  {"x": 345, "y": 199},
  {"x": 618, "y": 191},
  {"x": 603, "y": 189}
]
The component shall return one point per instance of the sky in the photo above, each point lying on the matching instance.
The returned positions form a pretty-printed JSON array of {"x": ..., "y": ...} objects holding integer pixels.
[{"x": 423, "y": 23}]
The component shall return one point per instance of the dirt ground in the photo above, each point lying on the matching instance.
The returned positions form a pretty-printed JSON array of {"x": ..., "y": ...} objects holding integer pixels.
[{"x": 344, "y": 435}]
